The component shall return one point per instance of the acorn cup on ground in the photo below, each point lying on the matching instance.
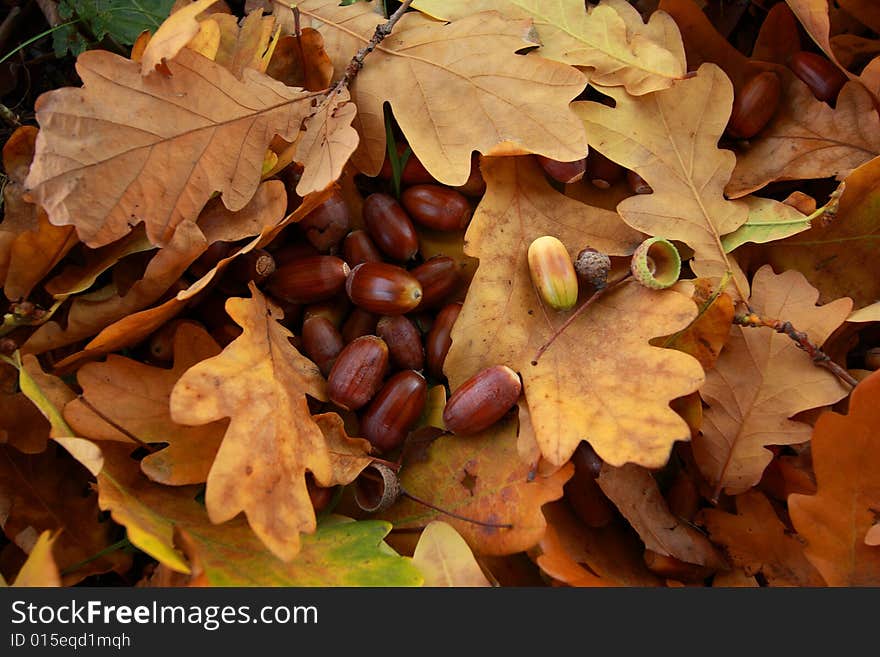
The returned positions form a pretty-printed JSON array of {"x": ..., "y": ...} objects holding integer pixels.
[
  {"x": 482, "y": 400},
  {"x": 656, "y": 263}
]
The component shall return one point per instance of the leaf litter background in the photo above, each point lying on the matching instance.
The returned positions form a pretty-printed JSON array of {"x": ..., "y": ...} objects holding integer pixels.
[{"x": 160, "y": 425}]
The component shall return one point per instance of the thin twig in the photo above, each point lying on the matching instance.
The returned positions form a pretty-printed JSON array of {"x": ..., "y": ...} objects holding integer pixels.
[
  {"x": 598, "y": 294},
  {"x": 418, "y": 500},
  {"x": 125, "y": 432},
  {"x": 819, "y": 357}
]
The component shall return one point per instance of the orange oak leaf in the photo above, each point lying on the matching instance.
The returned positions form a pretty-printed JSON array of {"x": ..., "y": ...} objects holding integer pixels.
[
  {"x": 481, "y": 478},
  {"x": 173, "y": 34},
  {"x": 835, "y": 521},
  {"x": 260, "y": 381},
  {"x": 670, "y": 139},
  {"x": 636, "y": 494},
  {"x": 762, "y": 379},
  {"x": 159, "y": 147},
  {"x": 302, "y": 61},
  {"x": 454, "y": 88},
  {"x": 576, "y": 391},
  {"x": 124, "y": 400},
  {"x": 327, "y": 144},
  {"x": 757, "y": 541},
  {"x": 610, "y": 39}
]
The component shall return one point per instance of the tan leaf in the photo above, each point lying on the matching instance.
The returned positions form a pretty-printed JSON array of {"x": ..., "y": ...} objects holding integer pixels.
[
  {"x": 757, "y": 541},
  {"x": 162, "y": 146},
  {"x": 575, "y": 391},
  {"x": 327, "y": 144},
  {"x": 302, "y": 62},
  {"x": 835, "y": 521},
  {"x": 173, "y": 34},
  {"x": 636, "y": 494},
  {"x": 670, "y": 139},
  {"x": 611, "y": 38},
  {"x": 762, "y": 379},
  {"x": 454, "y": 88},
  {"x": 445, "y": 559},
  {"x": 260, "y": 382},
  {"x": 872, "y": 538},
  {"x": 813, "y": 15}
]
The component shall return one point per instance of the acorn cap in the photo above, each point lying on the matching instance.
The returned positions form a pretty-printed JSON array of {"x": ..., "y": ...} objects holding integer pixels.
[{"x": 656, "y": 263}]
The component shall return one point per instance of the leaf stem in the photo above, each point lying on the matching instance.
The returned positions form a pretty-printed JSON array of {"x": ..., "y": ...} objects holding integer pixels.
[{"x": 418, "y": 500}]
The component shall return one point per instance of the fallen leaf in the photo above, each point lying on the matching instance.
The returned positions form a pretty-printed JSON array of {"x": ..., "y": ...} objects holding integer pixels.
[
  {"x": 173, "y": 34},
  {"x": 734, "y": 578},
  {"x": 22, "y": 425},
  {"x": 481, "y": 478},
  {"x": 866, "y": 11},
  {"x": 164, "y": 145},
  {"x": 327, "y": 144},
  {"x": 835, "y": 521},
  {"x": 757, "y": 541},
  {"x": 619, "y": 52},
  {"x": 474, "y": 92},
  {"x": 873, "y": 536},
  {"x": 302, "y": 61},
  {"x": 40, "y": 569},
  {"x": 576, "y": 391},
  {"x": 637, "y": 496},
  {"x": 260, "y": 381},
  {"x": 444, "y": 558},
  {"x": 127, "y": 401},
  {"x": 762, "y": 379},
  {"x": 813, "y": 15},
  {"x": 769, "y": 220},
  {"x": 206, "y": 41},
  {"x": 670, "y": 139}
]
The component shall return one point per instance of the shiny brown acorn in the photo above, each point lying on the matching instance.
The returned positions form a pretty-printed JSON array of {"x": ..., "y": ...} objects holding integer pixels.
[
  {"x": 819, "y": 73},
  {"x": 327, "y": 224},
  {"x": 358, "y": 372},
  {"x": 482, "y": 400},
  {"x": 255, "y": 265},
  {"x": 308, "y": 279},
  {"x": 404, "y": 342},
  {"x": 437, "y": 207},
  {"x": 390, "y": 227},
  {"x": 438, "y": 277},
  {"x": 359, "y": 322},
  {"x": 382, "y": 288},
  {"x": 321, "y": 342},
  {"x": 563, "y": 172},
  {"x": 414, "y": 171},
  {"x": 395, "y": 410},
  {"x": 754, "y": 105},
  {"x": 439, "y": 339},
  {"x": 358, "y": 247},
  {"x": 583, "y": 493}
]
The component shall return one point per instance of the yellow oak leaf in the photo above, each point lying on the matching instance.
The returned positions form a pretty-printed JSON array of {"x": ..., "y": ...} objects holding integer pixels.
[
  {"x": 40, "y": 569},
  {"x": 173, "y": 34},
  {"x": 445, "y": 559},
  {"x": 600, "y": 381},
  {"x": 762, "y": 379},
  {"x": 453, "y": 88}
]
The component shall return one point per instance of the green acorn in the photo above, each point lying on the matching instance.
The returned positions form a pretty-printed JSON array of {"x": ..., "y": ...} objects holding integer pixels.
[
  {"x": 553, "y": 273},
  {"x": 656, "y": 263}
]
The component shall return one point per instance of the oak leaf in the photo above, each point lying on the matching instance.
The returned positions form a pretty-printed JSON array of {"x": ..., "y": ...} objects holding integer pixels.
[
  {"x": 444, "y": 558},
  {"x": 158, "y": 147},
  {"x": 670, "y": 139},
  {"x": 173, "y": 34},
  {"x": 327, "y": 144},
  {"x": 40, "y": 569},
  {"x": 127, "y": 401},
  {"x": 769, "y": 220},
  {"x": 610, "y": 38},
  {"x": 453, "y": 88},
  {"x": 757, "y": 541},
  {"x": 762, "y": 379},
  {"x": 835, "y": 521},
  {"x": 576, "y": 391},
  {"x": 301, "y": 61},
  {"x": 813, "y": 15},
  {"x": 483, "y": 479},
  {"x": 866, "y": 11}
]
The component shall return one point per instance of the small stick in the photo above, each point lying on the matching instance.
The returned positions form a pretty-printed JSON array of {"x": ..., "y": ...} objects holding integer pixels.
[
  {"x": 819, "y": 357},
  {"x": 418, "y": 500}
]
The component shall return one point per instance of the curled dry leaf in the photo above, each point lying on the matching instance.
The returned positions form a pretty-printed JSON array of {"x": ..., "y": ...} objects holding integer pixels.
[
  {"x": 610, "y": 39},
  {"x": 40, "y": 569},
  {"x": 835, "y": 521},
  {"x": 762, "y": 379},
  {"x": 474, "y": 92},
  {"x": 769, "y": 220},
  {"x": 575, "y": 391},
  {"x": 173, "y": 34},
  {"x": 670, "y": 139},
  {"x": 327, "y": 144},
  {"x": 813, "y": 15},
  {"x": 302, "y": 61},
  {"x": 757, "y": 541},
  {"x": 158, "y": 147},
  {"x": 444, "y": 558}
]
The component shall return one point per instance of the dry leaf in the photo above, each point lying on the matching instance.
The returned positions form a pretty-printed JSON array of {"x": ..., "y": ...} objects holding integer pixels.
[
  {"x": 757, "y": 541},
  {"x": 634, "y": 491},
  {"x": 873, "y": 536},
  {"x": 445, "y": 559},
  {"x": 610, "y": 38},
  {"x": 670, "y": 139},
  {"x": 162, "y": 146},
  {"x": 302, "y": 62},
  {"x": 327, "y": 144},
  {"x": 762, "y": 379},
  {"x": 474, "y": 92},
  {"x": 173, "y": 34},
  {"x": 577, "y": 390},
  {"x": 835, "y": 521},
  {"x": 866, "y": 11},
  {"x": 813, "y": 15},
  {"x": 40, "y": 569}
]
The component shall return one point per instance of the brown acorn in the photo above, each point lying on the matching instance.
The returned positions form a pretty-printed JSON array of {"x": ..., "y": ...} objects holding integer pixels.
[
  {"x": 438, "y": 277},
  {"x": 637, "y": 184},
  {"x": 384, "y": 289},
  {"x": 754, "y": 105},
  {"x": 563, "y": 172},
  {"x": 255, "y": 265},
  {"x": 321, "y": 342},
  {"x": 326, "y": 225},
  {"x": 482, "y": 400},
  {"x": 583, "y": 493},
  {"x": 394, "y": 410},
  {"x": 294, "y": 250},
  {"x": 439, "y": 339},
  {"x": 404, "y": 342},
  {"x": 335, "y": 309},
  {"x": 358, "y": 247},
  {"x": 359, "y": 322},
  {"x": 437, "y": 207},
  {"x": 819, "y": 73},
  {"x": 308, "y": 279},
  {"x": 390, "y": 227},
  {"x": 414, "y": 172},
  {"x": 358, "y": 372},
  {"x": 601, "y": 171}
]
